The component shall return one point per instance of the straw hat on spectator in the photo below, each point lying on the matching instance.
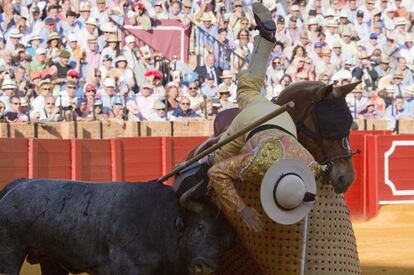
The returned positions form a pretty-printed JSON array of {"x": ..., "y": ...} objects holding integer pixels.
[
  {"x": 410, "y": 90},
  {"x": 331, "y": 23},
  {"x": 363, "y": 55},
  {"x": 23, "y": 102},
  {"x": 347, "y": 32},
  {"x": 408, "y": 37},
  {"x": 385, "y": 59},
  {"x": 120, "y": 58},
  {"x": 44, "y": 82},
  {"x": 92, "y": 39},
  {"x": 207, "y": 16},
  {"x": 329, "y": 13},
  {"x": 8, "y": 84},
  {"x": 40, "y": 51},
  {"x": 223, "y": 89},
  {"x": 400, "y": 21},
  {"x": 100, "y": 1},
  {"x": 326, "y": 51},
  {"x": 108, "y": 27},
  {"x": 53, "y": 36},
  {"x": 72, "y": 37},
  {"x": 15, "y": 34},
  {"x": 129, "y": 39},
  {"x": 312, "y": 21},
  {"x": 226, "y": 74},
  {"x": 91, "y": 21},
  {"x": 109, "y": 82},
  {"x": 398, "y": 74},
  {"x": 84, "y": 6},
  {"x": 336, "y": 44},
  {"x": 270, "y": 4},
  {"x": 112, "y": 38},
  {"x": 34, "y": 37},
  {"x": 343, "y": 14},
  {"x": 158, "y": 105}
]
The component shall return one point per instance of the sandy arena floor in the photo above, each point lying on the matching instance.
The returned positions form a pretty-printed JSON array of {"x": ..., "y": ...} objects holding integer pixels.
[{"x": 385, "y": 243}]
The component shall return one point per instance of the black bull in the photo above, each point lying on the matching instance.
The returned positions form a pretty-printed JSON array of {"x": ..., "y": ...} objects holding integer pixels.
[{"x": 107, "y": 228}]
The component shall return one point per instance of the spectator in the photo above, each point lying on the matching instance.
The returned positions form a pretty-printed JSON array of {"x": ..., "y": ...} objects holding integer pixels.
[
  {"x": 397, "y": 82},
  {"x": 9, "y": 89},
  {"x": 125, "y": 74},
  {"x": 364, "y": 71},
  {"x": 196, "y": 99},
  {"x": 184, "y": 110},
  {"x": 117, "y": 111},
  {"x": 53, "y": 46},
  {"x": 67, "y": 100},
  {"x": 406, "y": 72},
  {"x": 383, "y": 68},
  {"x": 357, "y": 101},
  {"x": 44, "y": 89},
  {"x": 106, "y": 94},
  {"x": 409, "y": 99},
  {"x": 98, "y": 110},
  {"x": 227, "y": 78},
  {"x": 112, "y": 47},
  {"x": 140, "y": 108},
  {"x": 141, "y": 19},
  {"x": 209, "y": 69},
  {"x": 39, "y": 62},
  {"x": 159, "y": 112},
  {"x": 224, "y": 98},
  {"x": 16, "y": 112},
  {"x": 49, "y": 112},
  {"x": 369, "y": 112},
  {"x": 396, "y": 111},
  {"x": 130, "y": 51},
  {"x": 208, "y": 88},
  {"x": 62, "y": 66},
  {"x": 171, "y": 96}
]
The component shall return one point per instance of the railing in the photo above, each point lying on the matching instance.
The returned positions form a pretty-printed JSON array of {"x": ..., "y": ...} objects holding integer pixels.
[{"x": 202, "y": 43}]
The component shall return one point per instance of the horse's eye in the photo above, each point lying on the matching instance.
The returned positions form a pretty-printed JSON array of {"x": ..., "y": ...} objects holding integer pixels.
[{"x": 200, "y": 227}]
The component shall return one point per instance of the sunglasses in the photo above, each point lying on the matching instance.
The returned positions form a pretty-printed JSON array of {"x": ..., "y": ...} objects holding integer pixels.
[
  {"x": 192, "y": 88},
  {"x": 71, "y": 87},
  {"x": 276, "y": 63},
  {"x": 98, "y": 75},
  {"x": 185, "y": 103},
  {"x": 16, "y": 103},
  {"x": 50, "y": 103},
  {"x": 46, "y": 89}
]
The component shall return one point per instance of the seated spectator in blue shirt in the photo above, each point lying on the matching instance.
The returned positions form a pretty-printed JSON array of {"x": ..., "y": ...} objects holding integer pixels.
[
  {"x": 184, "y": 110},
  {"x": 409, "y": 99},
  {"x": 396, "y": 111}
]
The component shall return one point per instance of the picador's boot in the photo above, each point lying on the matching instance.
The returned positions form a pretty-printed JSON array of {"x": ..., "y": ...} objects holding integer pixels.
[
  {"x": 264, "y": 42},
  {"x": 264, "y": 22}
]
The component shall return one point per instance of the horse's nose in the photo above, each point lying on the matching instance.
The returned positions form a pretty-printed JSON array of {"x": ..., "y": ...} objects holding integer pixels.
[{"x": 342, "y": 184}]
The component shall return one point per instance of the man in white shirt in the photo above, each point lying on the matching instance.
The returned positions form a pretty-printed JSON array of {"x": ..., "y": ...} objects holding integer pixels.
[
  {"x": 106, "y": 94},
  {"x": 44, "y": 89},
  {"x": 141, "y": 107}
]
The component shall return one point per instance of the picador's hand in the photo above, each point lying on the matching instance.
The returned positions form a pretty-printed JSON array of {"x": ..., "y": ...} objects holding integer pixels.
[{"x": 252, "y": 219}]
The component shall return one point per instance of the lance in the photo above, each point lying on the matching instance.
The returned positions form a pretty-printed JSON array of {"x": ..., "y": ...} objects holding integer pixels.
[{"x": 239, "y": 133}]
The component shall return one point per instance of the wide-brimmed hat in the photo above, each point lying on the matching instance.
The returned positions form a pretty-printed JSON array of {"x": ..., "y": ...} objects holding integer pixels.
[
  {"x": 158, "y": 105},
  {"x": 227, "y": 74},
  {"x": 410, "y": 90},
  {"x": 120, "y": 58},
  {"x": 91, "y": 21},
  {"x": 363, "y": 55},
  {"x": 8, "y": 84},
  {"x": 52, "y": 36},
  {"x": 44, "y": 82},
  {"x": 206, "y": 17},
  {"x": 112, "y": 38},
  {"x": 34, "y": 37},
  {"x": 15, "y": 34},
  {"x": 108, "y": 27},
  {"x": 288, "y": 191},
  {"x": 223, "y": 89},
  {"x": 84, "y": 6}
]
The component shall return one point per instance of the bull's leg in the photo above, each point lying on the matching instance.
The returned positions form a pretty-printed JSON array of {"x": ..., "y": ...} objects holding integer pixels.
[
  {"x": 11, "y": 258},
  {"x": 51, "y": 268}
]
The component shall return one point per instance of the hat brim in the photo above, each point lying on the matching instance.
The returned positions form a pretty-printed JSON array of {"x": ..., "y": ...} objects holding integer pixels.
[{"x": 269, "y": 183}]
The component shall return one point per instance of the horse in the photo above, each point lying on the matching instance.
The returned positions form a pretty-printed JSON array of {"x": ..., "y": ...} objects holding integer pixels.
[{"x": 327, "y": 139}]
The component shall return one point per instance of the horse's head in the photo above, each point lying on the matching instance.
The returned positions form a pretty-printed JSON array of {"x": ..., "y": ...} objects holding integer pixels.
[{"x": 323, "y": 122}]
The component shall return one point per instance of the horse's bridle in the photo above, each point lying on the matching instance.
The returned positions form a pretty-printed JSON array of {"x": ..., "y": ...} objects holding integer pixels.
[{"x": 328, "y": 159}]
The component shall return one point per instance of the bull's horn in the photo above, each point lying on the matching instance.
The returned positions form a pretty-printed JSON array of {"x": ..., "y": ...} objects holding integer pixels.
[
  {"x": 346, "y": 89},
  {"x": 188, "y": 203}
]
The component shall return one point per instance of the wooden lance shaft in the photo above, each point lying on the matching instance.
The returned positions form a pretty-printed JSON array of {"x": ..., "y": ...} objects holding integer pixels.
[{"x": 213, "y": 148}]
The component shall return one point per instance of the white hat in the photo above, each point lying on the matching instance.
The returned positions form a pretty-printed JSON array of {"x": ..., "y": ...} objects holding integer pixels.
[
  {"x": 109, "y": 82},
  {"x": 130, "y": 39},
  {"x": 40, "y": 51},
  {"x": 287, "y": 192},
  {"x": 400, "y": 21},
  {"x": 295, "y": 8},
  {"x": 120, "y": 58},
  {"x": 15, "y": 34},
  {"x": 206, "y": 16},
  {"x": 23, "y": 102},
  {"x": 108, "y": 27},
  {"x": 72, "y": 38},
  {"x": 91, "y": 21},
  {"x": 329, "y": 12},
  {"x": 84, "y": 6},
  {"x": 8, "y": 84},
  {"x": 34, "y": 37},
  {"x": 227, "y": 74}
]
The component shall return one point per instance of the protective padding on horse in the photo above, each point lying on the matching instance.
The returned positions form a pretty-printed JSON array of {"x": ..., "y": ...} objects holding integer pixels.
[{"x": 331, "y": 244}]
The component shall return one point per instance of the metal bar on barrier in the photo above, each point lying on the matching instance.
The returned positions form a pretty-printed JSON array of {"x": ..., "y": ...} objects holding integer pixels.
[{"x": 243, "y": 131}]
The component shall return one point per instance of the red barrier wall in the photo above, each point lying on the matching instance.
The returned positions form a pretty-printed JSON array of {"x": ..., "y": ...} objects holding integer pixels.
[{"x": 146, "y": 158}]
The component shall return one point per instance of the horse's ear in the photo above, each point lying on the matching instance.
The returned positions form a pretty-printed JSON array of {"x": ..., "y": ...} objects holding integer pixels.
[
  {"x": 346, "y": 89},
  {"x": 324, "y": 92}
]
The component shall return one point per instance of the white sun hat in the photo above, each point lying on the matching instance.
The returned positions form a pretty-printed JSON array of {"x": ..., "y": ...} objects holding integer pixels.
[{"x": 288, "y": 191}]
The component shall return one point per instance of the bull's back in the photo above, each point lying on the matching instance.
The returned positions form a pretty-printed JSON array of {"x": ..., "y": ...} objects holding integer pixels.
[{"x": 78, "y": 220}]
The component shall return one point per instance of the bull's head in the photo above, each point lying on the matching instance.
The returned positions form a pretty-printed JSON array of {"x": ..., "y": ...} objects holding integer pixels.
[{"x": 206, "y": 235}]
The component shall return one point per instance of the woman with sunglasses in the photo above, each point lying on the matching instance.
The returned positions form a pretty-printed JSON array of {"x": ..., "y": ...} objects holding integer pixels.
[
  {"x": 15, "y": 113},
  {"x": 44, "y": 89}
]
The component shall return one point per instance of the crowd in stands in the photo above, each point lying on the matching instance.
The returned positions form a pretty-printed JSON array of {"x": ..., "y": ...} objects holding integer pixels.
[{"x": 65, "y": 60}]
